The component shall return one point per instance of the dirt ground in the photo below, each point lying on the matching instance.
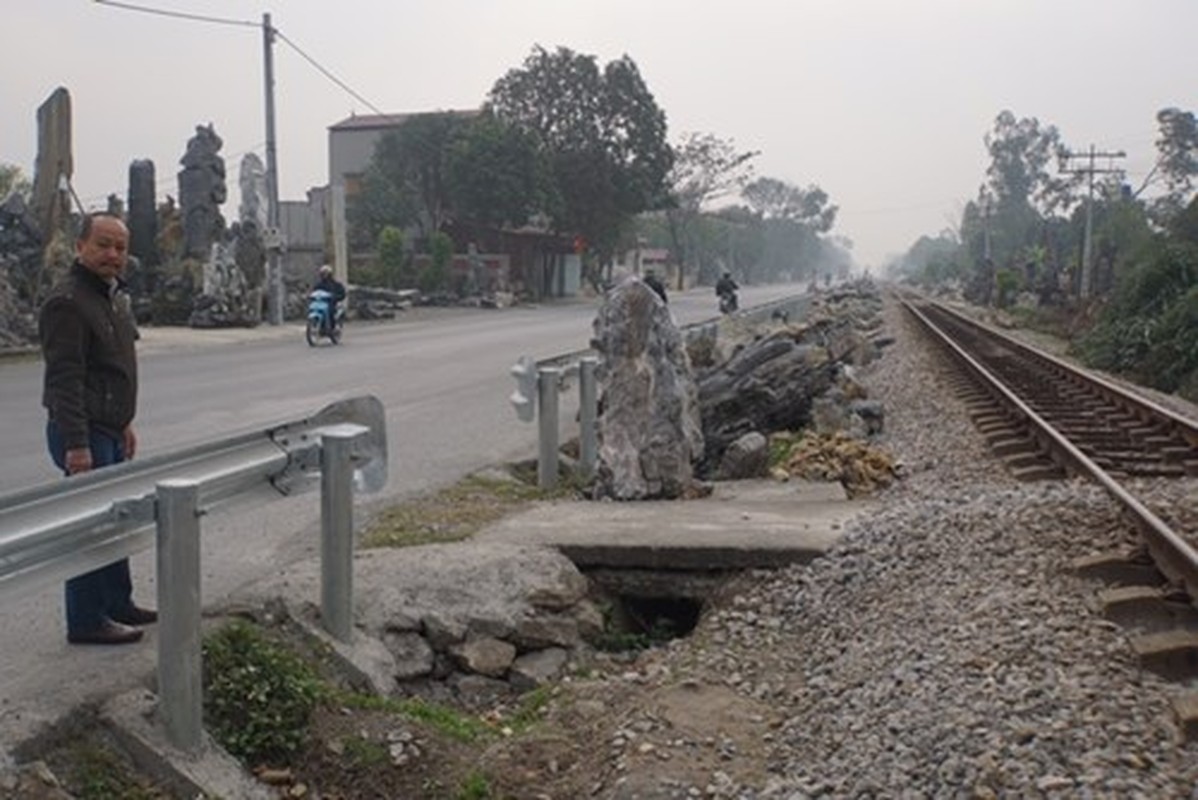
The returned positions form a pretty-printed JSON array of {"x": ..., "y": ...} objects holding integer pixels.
[{"x": 599, "y": 736}]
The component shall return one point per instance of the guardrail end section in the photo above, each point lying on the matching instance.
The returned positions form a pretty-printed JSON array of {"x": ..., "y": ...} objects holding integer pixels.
[
  {"x": 369, "y": 451},
  {"x": 524, "y": 398}
]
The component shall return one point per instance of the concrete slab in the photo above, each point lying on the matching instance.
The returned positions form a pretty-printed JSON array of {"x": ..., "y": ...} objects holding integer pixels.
[
  {"x": 208, "y": 772},
  {"x": 742, "y": 525}
]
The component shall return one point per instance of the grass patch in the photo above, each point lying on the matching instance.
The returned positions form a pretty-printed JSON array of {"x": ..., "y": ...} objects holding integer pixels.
[
  {"x": 446, "y": 721},
  {"x": 781, "y": 445},
  {"x": 365, "y": 753},
  {"x": 455, "y": 513},
  {"x": 97, "y": 773},
  {"x": 531, "y": 709},
  {"x": 475, "y": 787},
  {"x": 258, "y": 695}
]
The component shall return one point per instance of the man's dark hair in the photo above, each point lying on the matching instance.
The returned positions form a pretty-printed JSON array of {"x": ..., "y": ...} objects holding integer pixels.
[{"x": 89, "y": 220}]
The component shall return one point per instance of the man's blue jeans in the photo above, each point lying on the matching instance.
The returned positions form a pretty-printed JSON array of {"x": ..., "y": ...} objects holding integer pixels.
[{"x": 108, "y": 590}]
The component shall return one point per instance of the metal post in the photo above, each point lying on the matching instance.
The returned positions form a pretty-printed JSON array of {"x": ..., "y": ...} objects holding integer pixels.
[
  {"x": 275, "y": 270},
  {"x": 547, "y": 380},
  {"x": 588, "y": 412},
  {"x": 179, "y": 657},
  {"x": 1087, "y": 243},
  {"x": 337, "y": 532}
]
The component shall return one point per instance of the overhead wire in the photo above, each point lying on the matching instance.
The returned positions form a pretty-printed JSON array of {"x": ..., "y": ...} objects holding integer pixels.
[
  {"x": 249, "y": 24},
  {"x": 315, "y": 64},
  {"x": 179, "y": 14}
]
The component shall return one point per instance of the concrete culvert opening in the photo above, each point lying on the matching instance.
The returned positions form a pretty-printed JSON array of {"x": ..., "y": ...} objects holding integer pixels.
[
  {"x": 661, "y": 618},
  {"x": 643, "y": 608}
]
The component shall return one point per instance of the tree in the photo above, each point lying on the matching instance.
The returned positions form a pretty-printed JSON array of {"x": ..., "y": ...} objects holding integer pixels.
[
  {"x": 1020, "y": 152},
  {"x": 792, "y": 220},
  {"x": 13, "y": 180},
  {"x": 407, "y": 181},
  {"x": 1178, "y": 161},
  {"x": 706, "y": 168},
  {"x": 601, "y": 134},
  {"x": 775, "y": 199},
  {"x": 496, "y": 174},
  {"x": 380, "y": 203}
]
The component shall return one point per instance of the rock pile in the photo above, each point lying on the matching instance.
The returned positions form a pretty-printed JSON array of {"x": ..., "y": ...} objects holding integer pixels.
[
  {"x": 789, "y": 377},
  {"x": 858, "y": 466},
  {"x": 473, "y": 622}
]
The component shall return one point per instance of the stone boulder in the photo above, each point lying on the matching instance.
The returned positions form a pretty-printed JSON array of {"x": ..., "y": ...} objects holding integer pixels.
[
  {"x": 768, "y": 386},
  {"x": 747, "y": 457},
  {"x": 456, "y": 613},
  {"x": 649, "y": 427}
]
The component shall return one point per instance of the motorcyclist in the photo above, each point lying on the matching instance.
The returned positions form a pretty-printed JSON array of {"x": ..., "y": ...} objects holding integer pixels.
[
  {"x": 725, "y": 289},
  {"x": 326, "y": 282}
]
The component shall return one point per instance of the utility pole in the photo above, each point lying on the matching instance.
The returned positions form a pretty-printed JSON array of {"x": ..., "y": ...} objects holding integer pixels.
[
  {"x": 1090, "y": 171},
  {"x": 274, "y": 238},
  {"x": 986, "y": 229}
]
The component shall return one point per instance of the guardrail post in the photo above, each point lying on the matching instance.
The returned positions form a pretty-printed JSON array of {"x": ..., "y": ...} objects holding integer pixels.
[
  {"x": 337, "y": 532},
  {"x": 588, "y": 412},
  {"x": 179, "y": 658},
  {"x": 547, "y": 380}
]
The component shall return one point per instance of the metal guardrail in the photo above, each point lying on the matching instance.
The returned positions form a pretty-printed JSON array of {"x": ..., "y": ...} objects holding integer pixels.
[
  {"x": 538, "y": 384},
  {"x": 71, "y": 526}
]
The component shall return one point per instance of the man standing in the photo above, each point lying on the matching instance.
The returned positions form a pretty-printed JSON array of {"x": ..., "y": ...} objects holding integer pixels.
[{"x": 90, "y": 391}]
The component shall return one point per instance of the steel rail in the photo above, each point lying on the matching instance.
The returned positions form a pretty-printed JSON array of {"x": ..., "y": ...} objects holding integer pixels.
[
  {"x": 1142, "y": 406},
  {"x": 1173, "y": 555}
]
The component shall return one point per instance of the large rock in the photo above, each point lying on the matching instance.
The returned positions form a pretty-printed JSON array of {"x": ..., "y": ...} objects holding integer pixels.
[
  {"x": 649, "y": 425},
  {"x": 55, "y": 163},
  {"x": 768, "y": 386},
  {"x": 469, "y": 605},
  {"x": 202, "y": 191}
]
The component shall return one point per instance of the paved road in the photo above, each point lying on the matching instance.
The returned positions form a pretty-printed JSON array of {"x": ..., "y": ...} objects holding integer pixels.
[{"x": 441, "y": 374}]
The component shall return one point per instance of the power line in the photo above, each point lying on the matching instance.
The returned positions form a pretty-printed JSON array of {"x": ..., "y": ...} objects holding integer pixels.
[
  {"x": 1090, "y": 171},
  {"x": 326, "y": 72},
  {"x": 247, "y": 24},
  {"x": 179, "y": 14}
]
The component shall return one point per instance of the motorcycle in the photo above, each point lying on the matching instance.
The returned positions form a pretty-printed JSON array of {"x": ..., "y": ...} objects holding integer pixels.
[
  {"x": 320, "y": 323},
  {"x": 728, "y": 302}
]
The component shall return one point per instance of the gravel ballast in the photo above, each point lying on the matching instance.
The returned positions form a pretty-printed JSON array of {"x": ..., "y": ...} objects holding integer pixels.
[{"x": 944, "y": 648}]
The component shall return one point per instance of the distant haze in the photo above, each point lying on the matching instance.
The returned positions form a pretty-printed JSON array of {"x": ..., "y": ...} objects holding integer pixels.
[{"x": 883, "y": 103}]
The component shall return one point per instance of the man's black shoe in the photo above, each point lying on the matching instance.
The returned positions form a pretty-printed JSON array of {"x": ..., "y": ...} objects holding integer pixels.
[
  {"x": 109, "y": 632},
  {"x": 135, "y": 616}
]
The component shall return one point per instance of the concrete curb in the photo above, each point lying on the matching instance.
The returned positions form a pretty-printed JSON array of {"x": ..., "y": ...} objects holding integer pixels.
[{"x": 211, "y": 772}]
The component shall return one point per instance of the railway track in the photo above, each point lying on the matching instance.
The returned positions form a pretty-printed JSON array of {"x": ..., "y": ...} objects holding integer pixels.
[{"x": 1049, "y": 420}]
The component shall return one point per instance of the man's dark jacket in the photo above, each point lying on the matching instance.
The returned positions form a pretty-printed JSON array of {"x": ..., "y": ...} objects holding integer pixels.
[{"x": 88, "y": 334}]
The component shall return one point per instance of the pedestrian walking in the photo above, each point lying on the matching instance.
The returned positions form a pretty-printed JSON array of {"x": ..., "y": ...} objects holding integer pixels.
[{"x": 90, "y": 393}]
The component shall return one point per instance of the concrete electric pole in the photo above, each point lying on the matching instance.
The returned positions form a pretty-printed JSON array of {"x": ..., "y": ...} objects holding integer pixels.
[
  {"x": 1090, "y": 170},
  {"x": 274, "y": 236}
]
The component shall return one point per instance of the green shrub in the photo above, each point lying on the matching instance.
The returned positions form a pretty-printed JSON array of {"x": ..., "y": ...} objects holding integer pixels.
[
  {"x": 435, "y": 276},
  {"x": 258, "y": 696},
  {"x": 1149, "y": 332},
  {"x": 393, "y": 263}
]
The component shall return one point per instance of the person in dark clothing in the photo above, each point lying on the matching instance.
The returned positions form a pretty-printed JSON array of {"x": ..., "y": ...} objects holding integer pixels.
[
  {"x": 334, "y": 287},
  {"x": 87, "y": 335},
  {"x": 725, "y": 289},
  {"x": 653, "y": 282},
  {"x": 725, "y": 285}
]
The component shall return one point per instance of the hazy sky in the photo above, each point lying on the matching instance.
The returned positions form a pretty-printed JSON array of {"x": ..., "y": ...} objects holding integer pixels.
[{"x": 883, "y": 103}]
